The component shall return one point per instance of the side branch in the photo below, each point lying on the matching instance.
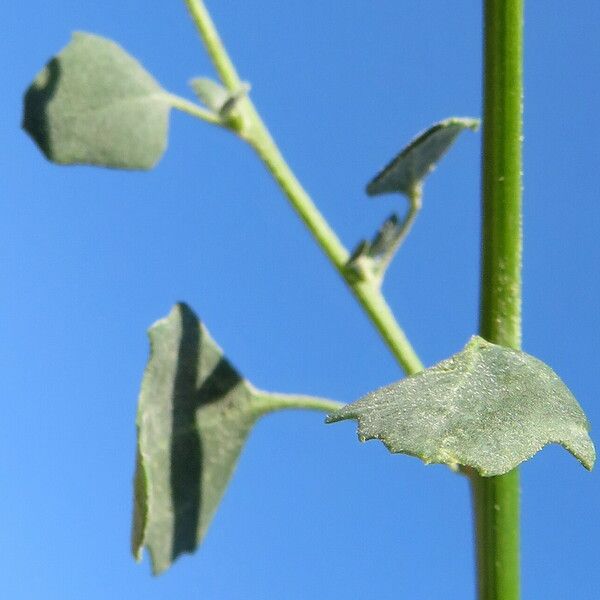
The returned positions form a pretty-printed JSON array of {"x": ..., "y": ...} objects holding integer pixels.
[{"x": 257, "y": 135}]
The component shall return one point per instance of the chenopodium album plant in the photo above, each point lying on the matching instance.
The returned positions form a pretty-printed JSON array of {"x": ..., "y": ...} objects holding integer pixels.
[{"x": 482, "y": 411}]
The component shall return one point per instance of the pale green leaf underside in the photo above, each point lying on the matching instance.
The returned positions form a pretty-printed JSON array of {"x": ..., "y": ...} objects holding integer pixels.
[
  {"x": 212, "y": 94},
  {"x": 195, "y": 412},
  {"x": 407, "y": 170},
  {"x": 95, "y": 104},
  {"x": 487, "y": 407},
  {"x": 217, "y": 98}
]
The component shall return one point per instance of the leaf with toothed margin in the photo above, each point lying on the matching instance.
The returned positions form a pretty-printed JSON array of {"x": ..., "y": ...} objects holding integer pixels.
[
  {"x": 405, "y": 173},
  {"x": 95, "y": 104},
  {"x": 195, "y": 413},
  {"x": 487, "y": 407}
]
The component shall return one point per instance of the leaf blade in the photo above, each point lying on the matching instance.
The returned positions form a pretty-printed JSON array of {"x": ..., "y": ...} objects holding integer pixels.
[
  {"x": 95, "y": 104},
  {"x": 195, "y": 413},
  {"x": 406, "y": 171},
  {"x": 487, "y": 407}
]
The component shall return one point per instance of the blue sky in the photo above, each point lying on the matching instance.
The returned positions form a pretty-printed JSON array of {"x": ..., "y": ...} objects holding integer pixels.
[{"x": 90, "y": 258}]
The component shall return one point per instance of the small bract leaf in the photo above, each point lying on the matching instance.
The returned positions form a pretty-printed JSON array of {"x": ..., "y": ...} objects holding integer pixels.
[
  {"x": 195, "y": 412},
  {"x": 211, "y": 93},
  {"x": 386, "y": 237},
  {"x": 366, "y": 257},
  {"x": 95, "y": 104},
  {"x": 405, "y": 173},
  {"x": 487, "y": 407},
  {"x": 218, "y": 98},
  {"x": 233, "y": 101}
]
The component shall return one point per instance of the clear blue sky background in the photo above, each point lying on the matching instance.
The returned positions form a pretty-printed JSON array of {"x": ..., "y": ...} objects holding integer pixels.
[{"x": 90, "y": 258}]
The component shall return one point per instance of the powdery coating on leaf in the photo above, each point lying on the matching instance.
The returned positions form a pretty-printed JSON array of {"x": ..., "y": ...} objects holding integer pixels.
[
  {"x": 195, "y": 413},
  {"x": 487, "y": 407},
  {"x": 95, "y": 104},
  {"x": 407, "y": 170}
]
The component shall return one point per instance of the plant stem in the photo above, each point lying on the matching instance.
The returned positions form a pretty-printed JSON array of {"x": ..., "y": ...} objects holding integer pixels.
[
  {"x": 496, "y": 499},
  {"x": 496, "y": 512},
  {"x": 192, "y": 109},
  {"x": 411, "y": 216},
  {"x": 500, "y": 317},
  {"x": 268, "y": 402},
  {"x": 262, "y": 142},
  {"x": 374, "y": 304},
  {"x": 213, "y": 44},
  {"x": 254, "y": 131},
  {"x": 367, "y": 292}
]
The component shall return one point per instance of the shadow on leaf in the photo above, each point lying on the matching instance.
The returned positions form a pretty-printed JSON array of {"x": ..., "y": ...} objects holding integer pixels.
[
  {"x": 37, "y": 99},
  {"x": 195, "y": 413},
  {"x": 186, "y": 441}
]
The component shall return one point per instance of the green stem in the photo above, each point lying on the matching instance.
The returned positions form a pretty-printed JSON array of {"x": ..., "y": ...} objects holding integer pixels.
[
  {"x": 268, "y": 402},
  {"x": 254, "y": 131},
  {"x": 213, "y": 44},
  {"x": 367, "y": 292},
  {"x": 193, "y": 109},
  {"x": 262, "y": 142},
  {"x": 413, "y": 211},
  {"x": 496, "y": 508},
  {"x": 500, "y": 317},
  {"x": 374, "y": 304},
  {"x": 496, "y": 499}
]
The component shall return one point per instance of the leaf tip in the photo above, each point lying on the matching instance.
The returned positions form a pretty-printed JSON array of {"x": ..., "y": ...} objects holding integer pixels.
[
  {"x": 584, "y": 452},
  {"x": 341, "y": 414}
]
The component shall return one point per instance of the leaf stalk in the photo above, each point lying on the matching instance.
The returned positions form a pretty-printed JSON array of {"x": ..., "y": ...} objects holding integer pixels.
[
  {"x": 408, "y": 222},
  {"x": 193, "y": 109},
  {"x": 267, "y": 402}
]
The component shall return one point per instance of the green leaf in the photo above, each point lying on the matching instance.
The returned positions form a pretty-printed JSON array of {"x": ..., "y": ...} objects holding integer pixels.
[
  {"x": 216, "y": 97},
  {"x": 195, "y": 413},
  {"x": 386, "y": 237},
  {"x": 405, "y": 173},
  {"x": 366, "y": 257},
  {"x": 211, "y": 93},
  {"x": 95, "y": 104},
  {"x": 487, "y": 407}
]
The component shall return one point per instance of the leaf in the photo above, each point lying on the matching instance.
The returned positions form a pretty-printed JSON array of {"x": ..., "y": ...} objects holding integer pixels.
[
  {"x": 405, "y": 173},
  {"x": 211, "y": 93},
  {"x": 487, "y": 407},
  {"x": 216, "y": 97},
  {"x": 386, "y": 238},
  {"x": 95, "y": 104},
  {"x": 195, "y": 413},
  {"x": 363, "y": 261}
]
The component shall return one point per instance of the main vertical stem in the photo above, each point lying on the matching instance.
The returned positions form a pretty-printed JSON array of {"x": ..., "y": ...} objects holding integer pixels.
[{"x": 496, "y": 499}]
